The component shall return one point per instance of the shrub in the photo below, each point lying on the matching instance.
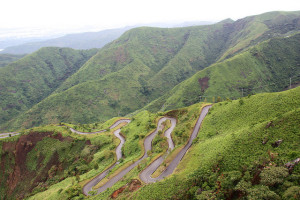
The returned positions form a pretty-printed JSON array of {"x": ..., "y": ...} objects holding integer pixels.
[
  {"x": 241, "y": 101},
  {"x": 96, "y": 166},
  {"x": 273, "y": 175},
  {"x": 292, "y": 193},
  {"x": 262, "y": 192}
]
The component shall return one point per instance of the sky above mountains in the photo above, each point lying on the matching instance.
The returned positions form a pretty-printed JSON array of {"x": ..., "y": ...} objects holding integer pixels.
[{"x": 35, "y": 17}]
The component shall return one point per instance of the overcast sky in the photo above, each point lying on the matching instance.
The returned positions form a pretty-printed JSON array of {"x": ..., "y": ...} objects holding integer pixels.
[{"x": 63, "y": 15}]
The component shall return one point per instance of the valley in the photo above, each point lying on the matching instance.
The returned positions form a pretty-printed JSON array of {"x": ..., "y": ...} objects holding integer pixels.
[{"x": 197, "y": 112}]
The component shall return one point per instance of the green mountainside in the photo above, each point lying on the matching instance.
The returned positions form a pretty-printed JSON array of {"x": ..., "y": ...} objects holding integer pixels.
[
  {"x": 5, "y": 59},
  {"x": 87, "y": 40},
  {"x": 144, "y": 64},
  {"x": 266, "y": 67},
  {"x": 29, "y": 80},
  {"x": 235, "y": 156}
]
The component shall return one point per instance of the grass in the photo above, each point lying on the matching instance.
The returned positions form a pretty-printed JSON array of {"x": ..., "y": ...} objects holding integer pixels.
[
  {"x": 149, "y": 62},
  {"x": 266, "y": 67},
  {"x": 32, "y": 78},
  {"x": 6, "y": 59},
  {"x": 230, "y": 141},
  {"x": 228, "y": 145},
  {"x": 74, "y": 156}
]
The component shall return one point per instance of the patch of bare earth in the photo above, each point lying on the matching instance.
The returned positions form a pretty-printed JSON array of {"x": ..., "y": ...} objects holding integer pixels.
[
  {"x": 132, "y": 186},
  {"x": 203, "y": 82}
]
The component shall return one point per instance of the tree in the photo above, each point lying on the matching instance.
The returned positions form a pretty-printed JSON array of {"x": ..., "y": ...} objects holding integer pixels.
[
  {"x": 273, "y": 175},
  {"x": 261, "y": 192},
  {"x": 96, "y": 166},
  {"x": 292, "y": 193}
]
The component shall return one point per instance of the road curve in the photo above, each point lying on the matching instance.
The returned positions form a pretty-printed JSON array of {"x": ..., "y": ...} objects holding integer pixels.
[
  {"x": 111, "y": 127},
  {"x": 147, "y": 147},
  {"x": 145, "y": 175},
  {"x": 5, "y": 135},
  {"x": 89, "y": 186}
]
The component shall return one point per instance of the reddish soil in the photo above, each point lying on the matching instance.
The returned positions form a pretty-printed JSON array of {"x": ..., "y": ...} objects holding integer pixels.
[
  {"x": 203, "y": 83},
  {"x": 175, "y": 113},
  {"x": 19, "y": 150},
  {"x": 116, "y": 193},
  {"x": 120, "y": 55},
  {"x": 132, "y": 186}
]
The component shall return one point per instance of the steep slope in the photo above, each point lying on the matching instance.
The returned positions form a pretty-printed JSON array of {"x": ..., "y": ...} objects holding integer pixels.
[
  {"x": 117, "y": 79},
  {"x": 39, "y": 158},
  {"x": 29, "y": 80},
  {"x": 267, "y": 67},
  {"x": 237, "y": 154},
  {"x": 87, "y": 40},
  {"x": 251, "y": 30},
  {"x": 145, "y": 63},
  {"x": 240, "y": 153},
  {"x": 5, "y": 59}
]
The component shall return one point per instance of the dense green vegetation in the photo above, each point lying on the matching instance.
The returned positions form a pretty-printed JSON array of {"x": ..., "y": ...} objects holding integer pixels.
[
  {"x": 47, "y": 155},
  {"x": 245, "y": 140},
  {"x": 5, "y": 59},
  {"x": 29, "y": 80},
  {"x": 267, "y": 67},
  {"x": 235, "y": 155},
  {"x": 146, "y": 63}
]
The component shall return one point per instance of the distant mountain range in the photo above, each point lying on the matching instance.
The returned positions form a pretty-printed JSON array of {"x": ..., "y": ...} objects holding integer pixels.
[
  {"x": 86, "y": 40},
  {"x": 76, "y": 41},
  {"x": 160, "y": 68}
]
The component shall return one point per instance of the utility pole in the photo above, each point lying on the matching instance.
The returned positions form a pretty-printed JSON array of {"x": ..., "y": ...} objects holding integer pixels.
[
  {"x": 290, "y": 82},
  {"x": 242, "y": 92}
]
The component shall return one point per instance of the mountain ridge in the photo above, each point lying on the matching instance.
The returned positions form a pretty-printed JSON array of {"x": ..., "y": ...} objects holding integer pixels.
[{"x": 149, "y": 62}]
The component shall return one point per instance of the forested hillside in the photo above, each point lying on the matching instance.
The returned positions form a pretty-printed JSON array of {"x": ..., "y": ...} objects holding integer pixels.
[
  {"x": 270, "y": 66},
  {"x": 5, "y": 59},
  {"x": 245, "y": 149},
  {"x": 29, "y": 80},
  {"x": 242, "y": 152},
  {"x": 146, "y": 63}
]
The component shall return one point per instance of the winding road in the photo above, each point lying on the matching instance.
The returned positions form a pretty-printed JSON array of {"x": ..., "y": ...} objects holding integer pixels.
[
  {"x": 147, "y": 147},
  {"x": 145, "y": 176},
  {"x": 111, "y": 127},
  {"x": 89, "y": 186}
]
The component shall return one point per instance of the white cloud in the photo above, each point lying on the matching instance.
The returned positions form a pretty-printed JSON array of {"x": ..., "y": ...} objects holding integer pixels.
[{"x": 74, "y": 14}]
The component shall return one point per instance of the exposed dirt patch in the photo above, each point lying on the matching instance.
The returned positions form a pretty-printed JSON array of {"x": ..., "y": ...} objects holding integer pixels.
[
  {"x": 25, "y": 144},
  {"x": 17, "y": 153},
  {"x": 120, "y": 55},
  {"x": 88, "y": 142},
  {"x": 116, "y": 193},
  {"x": 134, "y": 185},
  {"x": 176, "y": 113},
  {"x": 203, "y": 82},
  {"x": 59, "y": 137}
]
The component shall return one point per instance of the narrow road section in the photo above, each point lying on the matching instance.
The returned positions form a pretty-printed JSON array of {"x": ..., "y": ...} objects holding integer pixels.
[
  {"x": 111, "y": 127},
  {"x": 147, "y": 147},
  {"x": 89, "y": 186},
  {"x": 145, "y": 176},
  {"x": 5, "y": 135}
]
